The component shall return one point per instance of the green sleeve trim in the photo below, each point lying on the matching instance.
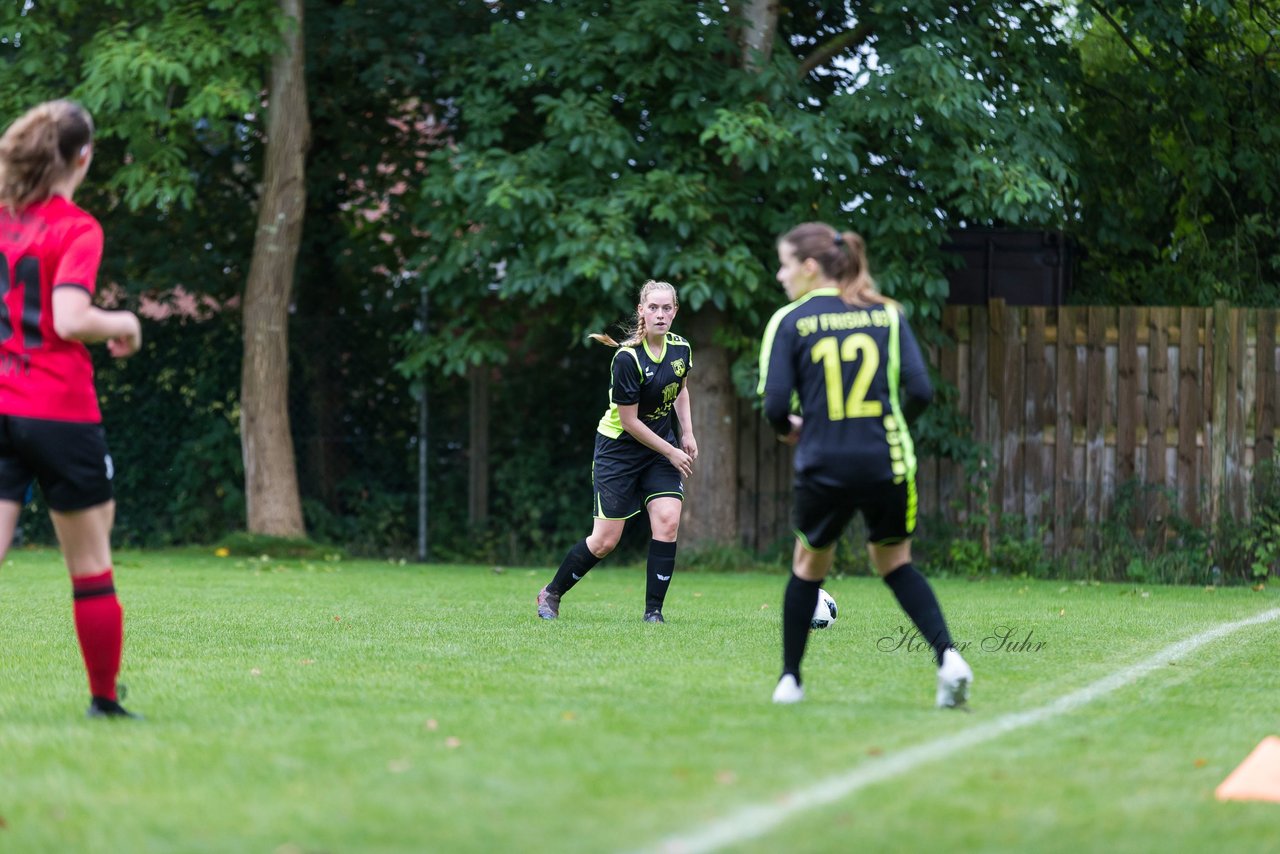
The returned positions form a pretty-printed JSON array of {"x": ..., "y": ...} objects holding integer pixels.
[
  {"x": 634, "y": 355},
  {"x": 894, "y": 367},
  {"x": 904, "y": 462},
  {"x": 766, "y": 345},
  {"x": 611, "y": 423},
  {"x": 771, "y": 331}
]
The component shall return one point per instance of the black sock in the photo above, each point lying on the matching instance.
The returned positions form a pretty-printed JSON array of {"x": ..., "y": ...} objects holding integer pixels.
[
  {"x": 797, "y": 613},
  {"x": 917, "y": 599},
  {"x": 576, "y": 564},
  {"x": 662, "y": 563}
]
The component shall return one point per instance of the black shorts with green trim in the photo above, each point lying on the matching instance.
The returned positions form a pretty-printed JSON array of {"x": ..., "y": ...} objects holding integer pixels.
[
  {"x": 627, "y": 476},
  {"x": 69, "y": 460},
  {"x": 820, "y": 512}
]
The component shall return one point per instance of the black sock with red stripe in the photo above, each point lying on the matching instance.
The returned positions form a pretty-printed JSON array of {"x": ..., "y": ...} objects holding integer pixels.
[{"x": 100, "y": 629}]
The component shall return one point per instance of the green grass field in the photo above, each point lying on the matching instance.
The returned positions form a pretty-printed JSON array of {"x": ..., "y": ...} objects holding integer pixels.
[{"x": 353, "y": 706}]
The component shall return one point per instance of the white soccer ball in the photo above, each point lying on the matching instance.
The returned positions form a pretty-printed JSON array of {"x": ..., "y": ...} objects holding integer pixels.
[{"x": 825, "y": 614}]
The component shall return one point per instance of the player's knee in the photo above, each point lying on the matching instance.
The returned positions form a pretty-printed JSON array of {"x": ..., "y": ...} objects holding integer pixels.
[
  {"x": 665, "y": 529},
  {"x": 601, "y": 546},
  {"x": 887, "y": 557},
  {"x": 664, "y": 522}
]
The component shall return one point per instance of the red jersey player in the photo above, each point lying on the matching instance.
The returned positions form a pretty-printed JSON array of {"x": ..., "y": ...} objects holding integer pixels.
[{"x": 50, "y": 425}]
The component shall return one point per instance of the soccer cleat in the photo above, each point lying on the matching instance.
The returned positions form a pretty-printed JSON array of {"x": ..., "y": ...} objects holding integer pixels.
[
  {"x": 101, "y": 707},
  {"x": 654, "y": 616},
  {"x": 548, "y": 604},
  {"x": 954, "y": 678},
  {"x": 788, "y": 690}
]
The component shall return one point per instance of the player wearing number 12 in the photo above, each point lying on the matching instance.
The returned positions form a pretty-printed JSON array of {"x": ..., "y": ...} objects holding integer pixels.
[
  {"x": 50, "y": 425},
  {"x": 849, "y": 356}
]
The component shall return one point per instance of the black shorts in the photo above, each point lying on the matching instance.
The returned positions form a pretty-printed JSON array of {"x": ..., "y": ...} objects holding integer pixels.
[
  {"x": 627, "y": 476},
  {"x": 820, "y": 513},
  {"x": 69, "y": 459}
]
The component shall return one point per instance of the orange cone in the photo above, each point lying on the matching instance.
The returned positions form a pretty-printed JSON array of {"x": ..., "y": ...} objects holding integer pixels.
[{"x": 1257, "y": 778}]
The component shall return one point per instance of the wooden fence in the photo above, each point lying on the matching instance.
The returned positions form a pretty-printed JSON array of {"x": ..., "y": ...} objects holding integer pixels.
[{"x": 1072, "y": 402}]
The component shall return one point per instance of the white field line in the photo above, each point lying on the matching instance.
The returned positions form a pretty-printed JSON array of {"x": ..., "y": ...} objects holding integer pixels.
[{"x": 752, "y": 821}]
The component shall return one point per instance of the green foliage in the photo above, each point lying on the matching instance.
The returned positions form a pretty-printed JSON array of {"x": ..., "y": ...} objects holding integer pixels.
[
  {"x": 355, "y": 417},
  {"x": 590, "y": 146},
  {"x": 1018, "y": 549},
  {"x": 365, "y": 521},
  {"x": 586, "y": 156},
  {"x": 172, "y": 415},
  {"x": 168, "y": 82},
  {"x": 174, "y": 88},
  {"x": 967, "y": 557},
  {"x": 1249, "y": 550},
  {"x": 716, "y": 558},
  {"x": 172, "y": 419},
  {"x": 541, "y": 438},
  {"x": 1177, "y": 200},
  {"x": 177, "y": 92},
  {"x": 589, "y": 155},
  {"x": 1014, "y": 548},
  {"x": 1143, "y": 538},
  {"x": 355, "y": 421},
  {"x": 945, "y": 432},
  {"x": 961, "y": 548},
  {"x": 851, "y": 558}
]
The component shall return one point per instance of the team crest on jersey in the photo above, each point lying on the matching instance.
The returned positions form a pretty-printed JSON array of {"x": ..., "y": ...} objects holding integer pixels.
[{"x": 678, "y": 367}]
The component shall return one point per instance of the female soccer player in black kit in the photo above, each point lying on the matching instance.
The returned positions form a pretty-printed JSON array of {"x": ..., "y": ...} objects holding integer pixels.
[
  {"x": 640, "y": 459},
  {"x": 849, "y": 356}
]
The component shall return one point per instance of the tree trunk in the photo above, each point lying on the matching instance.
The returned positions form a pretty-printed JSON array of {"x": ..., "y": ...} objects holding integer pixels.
[
  {"x": 271, "y": 478},
  {"x": 710, "y": 515},
  {"x": 711, "y": 510},
  {"x": 761, "y": 19}
]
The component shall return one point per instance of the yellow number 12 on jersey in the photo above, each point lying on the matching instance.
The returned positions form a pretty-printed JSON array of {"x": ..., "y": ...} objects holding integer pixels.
[{"x": 858, "y": 347}]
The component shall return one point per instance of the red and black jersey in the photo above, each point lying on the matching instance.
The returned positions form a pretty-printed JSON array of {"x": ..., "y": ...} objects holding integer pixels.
[{"x": 53, "y": 244}]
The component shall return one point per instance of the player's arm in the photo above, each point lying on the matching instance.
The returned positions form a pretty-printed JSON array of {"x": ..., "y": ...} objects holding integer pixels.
[
  {"x": 683, "y": 413},
  {"x": 76, "y": 318},
  {"x": 916, "y": 386},
  {"x": 629, "y": 415},
  {"x": 777, "y": 378}
]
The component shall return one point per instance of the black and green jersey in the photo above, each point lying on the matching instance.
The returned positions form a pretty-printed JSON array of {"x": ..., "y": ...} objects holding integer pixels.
[
  {"x": 650, "y": 380},
  {"x": 852, "y": 370}
]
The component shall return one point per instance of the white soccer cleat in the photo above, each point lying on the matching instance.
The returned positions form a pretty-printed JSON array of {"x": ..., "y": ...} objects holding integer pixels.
[
  {"x": 954, "y": 678},
  {"x": 788, "y": 690}
]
